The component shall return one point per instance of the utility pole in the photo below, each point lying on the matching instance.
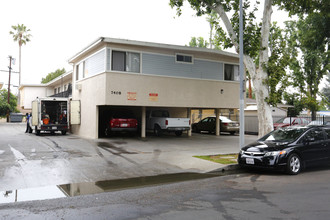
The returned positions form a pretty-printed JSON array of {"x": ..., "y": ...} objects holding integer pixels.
[
  {"x": 242, "y": 77},
  {"x": 8, "y": 95}
]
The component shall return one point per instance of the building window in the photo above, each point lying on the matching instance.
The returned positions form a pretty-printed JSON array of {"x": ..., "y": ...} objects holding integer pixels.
[
  {"x": 125, "y": 61},
  {"x": 231, "y": 72},
  {"x": 65, "y": 87},
  {"x": 184, "y": 58},
  {"x": 55, "y": 91}
]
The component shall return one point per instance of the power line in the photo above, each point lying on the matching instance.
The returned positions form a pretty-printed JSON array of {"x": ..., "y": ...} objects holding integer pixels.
[{"x": 8, "y": 71}]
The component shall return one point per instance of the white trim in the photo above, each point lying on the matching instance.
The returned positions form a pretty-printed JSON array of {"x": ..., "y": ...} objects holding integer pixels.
[
  {"x": 168, "y": 46},
  {"x": 149, "y": 44},
  {"x": 97, "y": 41}
]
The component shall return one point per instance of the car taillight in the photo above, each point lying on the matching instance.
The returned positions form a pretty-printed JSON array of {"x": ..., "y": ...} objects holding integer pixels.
[
  {"x": 166, "y": 122},
  {"x": 189, "y": 122},
  {"x": 225, "y": 124},
  {"x": 114, "y": 123}
]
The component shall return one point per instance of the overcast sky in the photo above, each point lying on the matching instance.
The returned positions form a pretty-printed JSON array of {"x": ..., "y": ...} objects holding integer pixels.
[{"x": 61, "y": 28}]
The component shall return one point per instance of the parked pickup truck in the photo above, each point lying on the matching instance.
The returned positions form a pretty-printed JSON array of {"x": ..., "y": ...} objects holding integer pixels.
[{"x": 159, "y": 121}]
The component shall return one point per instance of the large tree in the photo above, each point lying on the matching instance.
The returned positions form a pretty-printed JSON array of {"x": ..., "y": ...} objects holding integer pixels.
[
  {"x": 4, "y": 106},
  {"x": 52, "y": 75},
  {"x": 310, "y": 68},
  {"x": 310, "y": 47},
  {"x": 198, "y": 42},
  {"x": 21, "y": 35},
  {"x": 256, "y": 45},
  {"x": 326, "y": 92}
]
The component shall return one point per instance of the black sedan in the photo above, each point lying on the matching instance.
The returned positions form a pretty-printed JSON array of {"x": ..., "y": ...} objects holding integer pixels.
[
  {"x": 290, "y": 149},
  {"x": 208, "y": 124}
]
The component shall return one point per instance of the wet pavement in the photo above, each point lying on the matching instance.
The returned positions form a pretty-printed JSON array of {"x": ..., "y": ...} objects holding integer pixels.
[{"x": 28, "y": 161}]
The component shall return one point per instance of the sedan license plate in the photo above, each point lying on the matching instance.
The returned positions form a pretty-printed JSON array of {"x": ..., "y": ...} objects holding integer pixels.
[
  {"x": 54, "y": 128},
  {"x": 124, "y": 125},
  {"x": 249, "y": 161}
]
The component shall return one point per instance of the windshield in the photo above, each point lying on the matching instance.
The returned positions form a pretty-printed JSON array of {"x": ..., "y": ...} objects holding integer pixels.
[{"x": 284, "y": 135}]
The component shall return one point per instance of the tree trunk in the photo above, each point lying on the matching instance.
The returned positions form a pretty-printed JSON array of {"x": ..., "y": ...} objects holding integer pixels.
[
  {"x": 250, "y": 89},
  {"x": 265, "y": 119},
  {"x": 19, "y": 81},
  {"x": 259, "y": 76},
  {"x": 260, "y": 79},
  {"x": 19, "y": 78}
]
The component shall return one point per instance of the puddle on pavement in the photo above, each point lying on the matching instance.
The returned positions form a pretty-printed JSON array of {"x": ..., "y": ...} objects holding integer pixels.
[{"x": 76, "y": 189}]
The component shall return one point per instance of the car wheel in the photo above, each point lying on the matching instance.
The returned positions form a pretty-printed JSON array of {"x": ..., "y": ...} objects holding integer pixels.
[
  {"x": 232, "y": 132},
  {"x": 178, "y": 133},
  {"x": 294, "y": 164},
  {"x": 157, "y": 130},
  {"x": 194, "y": 128},
  {"x": 63, "y": 132}
]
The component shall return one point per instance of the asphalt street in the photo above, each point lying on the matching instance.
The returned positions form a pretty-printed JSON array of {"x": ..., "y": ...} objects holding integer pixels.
[{"x": 251, "y": 195}]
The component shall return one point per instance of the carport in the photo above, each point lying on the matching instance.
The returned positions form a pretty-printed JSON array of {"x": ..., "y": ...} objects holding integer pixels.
[{"x": 140, "y": 112}]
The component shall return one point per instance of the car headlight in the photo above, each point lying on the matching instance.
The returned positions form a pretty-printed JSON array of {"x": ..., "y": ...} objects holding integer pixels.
[
  {"x": 241, "y": 152},
  {"x": 274, "y": 153}
]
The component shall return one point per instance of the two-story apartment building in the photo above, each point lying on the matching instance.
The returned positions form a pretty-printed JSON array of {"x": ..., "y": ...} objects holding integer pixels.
[{"x": 115, "y": 73}]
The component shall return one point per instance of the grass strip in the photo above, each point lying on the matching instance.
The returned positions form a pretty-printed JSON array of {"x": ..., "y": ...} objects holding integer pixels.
[{"x": 221, "y": 158}]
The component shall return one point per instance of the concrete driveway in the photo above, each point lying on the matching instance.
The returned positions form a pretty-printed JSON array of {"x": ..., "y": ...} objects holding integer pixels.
[{"x": 27, "y": 160}]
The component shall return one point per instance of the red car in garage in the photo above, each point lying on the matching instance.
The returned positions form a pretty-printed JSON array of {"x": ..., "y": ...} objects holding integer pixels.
[{"x": 121, "y": 121}]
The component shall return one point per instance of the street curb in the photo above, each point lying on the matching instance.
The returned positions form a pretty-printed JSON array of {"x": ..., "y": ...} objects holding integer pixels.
[{"x": 229, "y": 169}]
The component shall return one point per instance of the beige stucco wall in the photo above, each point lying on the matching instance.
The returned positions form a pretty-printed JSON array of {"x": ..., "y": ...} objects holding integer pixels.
[
  {"x": 178, "y": 94},
  {"x": 91, "y": 95},
  {"x": 172, "y": 92},
  {"x": 30, "y": 93}
]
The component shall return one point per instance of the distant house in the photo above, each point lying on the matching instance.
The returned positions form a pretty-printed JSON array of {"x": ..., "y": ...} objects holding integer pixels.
[
  {"x": 279, "y": 111},
  {"x": 58, "y": 87},
  {"x": 251, "y": 114}
]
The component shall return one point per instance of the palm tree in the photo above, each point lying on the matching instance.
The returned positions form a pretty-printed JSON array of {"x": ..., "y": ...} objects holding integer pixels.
[{"x": 21, "y": 35}]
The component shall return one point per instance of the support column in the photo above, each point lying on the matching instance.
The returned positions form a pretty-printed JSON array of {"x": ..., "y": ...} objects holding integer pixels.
[
  {"x": 189, "y": 116},
  {"x": 217, "y": 122},
  {"x": 143, "y": 122}
]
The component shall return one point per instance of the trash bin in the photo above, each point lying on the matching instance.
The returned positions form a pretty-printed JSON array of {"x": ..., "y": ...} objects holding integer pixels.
[{"x": 16, "y": 117}]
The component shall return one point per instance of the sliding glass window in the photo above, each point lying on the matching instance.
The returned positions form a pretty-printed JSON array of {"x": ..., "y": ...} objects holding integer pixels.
[{"x": 125, "y": 61}]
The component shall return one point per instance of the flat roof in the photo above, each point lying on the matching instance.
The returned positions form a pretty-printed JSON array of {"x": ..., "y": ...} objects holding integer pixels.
[
  {"x": 65, "y": 76},
  {"x": 149, "y": 44}
]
